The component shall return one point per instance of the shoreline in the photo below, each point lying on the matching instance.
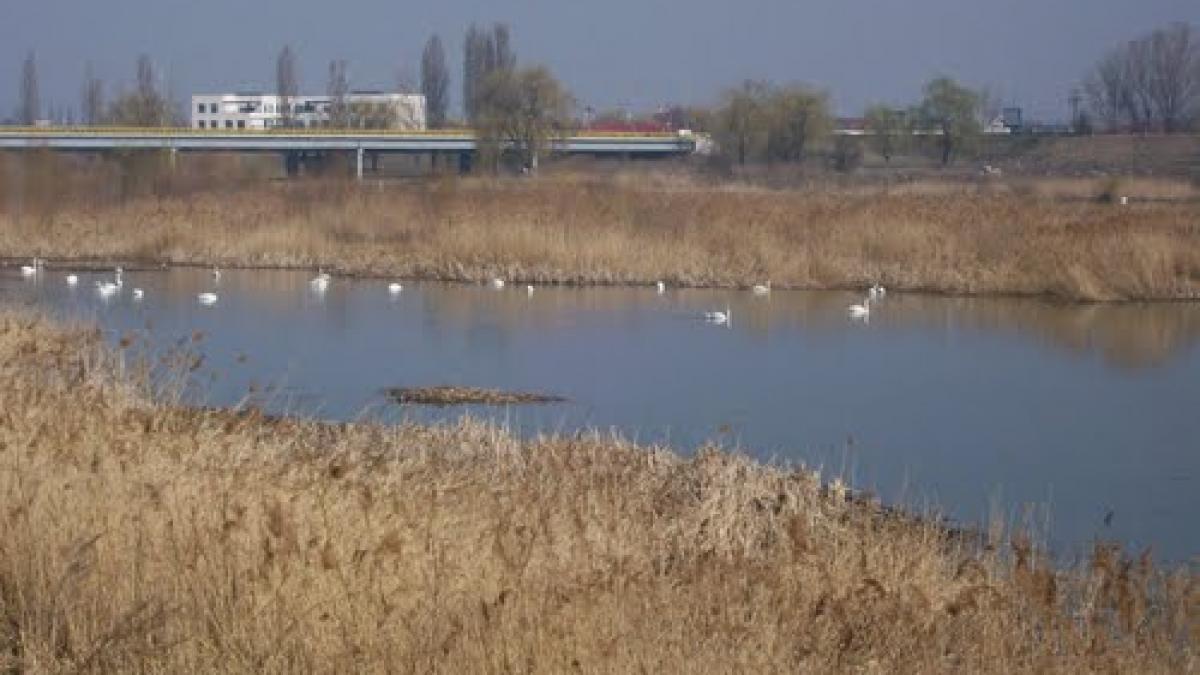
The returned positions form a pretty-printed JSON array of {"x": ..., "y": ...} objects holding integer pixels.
[
  {"x": 587, "y": 230},
  {"x": 483, "y": 275},
  {"x": 336, "y": 546}
]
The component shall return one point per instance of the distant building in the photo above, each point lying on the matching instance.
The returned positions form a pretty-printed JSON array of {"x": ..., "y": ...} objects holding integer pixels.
[
  {"x": 365, "y": 109},
  {"x": 850, "y": 126}
]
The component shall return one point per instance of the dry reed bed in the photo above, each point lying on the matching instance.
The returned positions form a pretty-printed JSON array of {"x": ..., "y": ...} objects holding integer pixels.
[
  {"x": 137, "y": 536},
  {"x": 571, "y": 229}
]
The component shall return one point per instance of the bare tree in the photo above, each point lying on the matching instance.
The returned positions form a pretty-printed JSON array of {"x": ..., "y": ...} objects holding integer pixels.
[
  {"x": 741, "y": 122},
  {"x": 30, "y": 105},
  {"x": 474, "y": 47},
  {"x": 952, "y": 112},
  {"x": 889, "y": 130},
  {"x": 286, "y": 86},
  {"x": 337, "y": 89},
  {"x": 484, "y": 52},
  {"x": 145, "y": 76},
  {"x": 435, "y": 82},
  {"x": 1107, "y": 90},
  {"x": 91, "y": 98},
  {"x": 1149, "y": 83},
  {"x": 145, "y": 106},
  {"x": 1174, "y": 74},
  {"x": 522, "y": 111},
  {"x": 502, "y": 56},
  {"x": 795, "y": 116}
]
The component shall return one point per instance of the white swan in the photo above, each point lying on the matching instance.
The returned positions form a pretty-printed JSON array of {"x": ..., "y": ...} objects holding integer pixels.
[
  {"x": 107, "y": 289},
  {"x": 662, "y": 288},
  {"x": 497, "y": 283},
  {"x": 72, "y": 280},
  {"x": 118, "y": 272},
  {"x": 207, "y": 298},
  {"x": 138, "y": 294},
  {"x": 876, "y": 292},
  {"x": 320, "y": 282},
  {"x": 762, "y": 289},
  {"x": 216, "y": 273},
  {"x": 528, "y": 289},
  {"x": 31, "y": 269},
  {"x": 719, "y": 317},
  {"x": 395, "y": 288},
  {"x": 862, "y": 311}
]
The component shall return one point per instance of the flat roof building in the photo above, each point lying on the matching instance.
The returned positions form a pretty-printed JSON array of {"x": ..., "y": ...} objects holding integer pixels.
[{"x": 364, "y": 110}]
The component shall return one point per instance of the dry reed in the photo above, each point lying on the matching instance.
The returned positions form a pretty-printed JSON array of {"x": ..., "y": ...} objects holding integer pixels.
[
  {"x": 985, "y": 237},
  {"x": 139, "y": 536}
]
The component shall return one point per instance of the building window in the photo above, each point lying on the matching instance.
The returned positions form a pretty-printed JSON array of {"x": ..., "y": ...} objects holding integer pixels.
[
  {"x": 200, "y": 108},
  {"x": 228, "y": 124},
  {"x": 200, "y": 124},
  {"x": 241, "y": 124}
]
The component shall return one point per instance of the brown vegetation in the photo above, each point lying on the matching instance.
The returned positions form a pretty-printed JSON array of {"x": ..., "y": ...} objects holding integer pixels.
[
  {"x": 975, "y": 237},
  {"x": 451, "y": 395},
  {"x": 139, "y": 536}
]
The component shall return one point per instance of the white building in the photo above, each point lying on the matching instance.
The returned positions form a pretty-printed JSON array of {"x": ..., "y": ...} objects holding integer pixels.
[{"x": 365, "y": 109}]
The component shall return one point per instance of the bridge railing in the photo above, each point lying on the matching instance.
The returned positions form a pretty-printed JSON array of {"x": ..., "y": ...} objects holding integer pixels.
[{"x": 321, "y": 131}]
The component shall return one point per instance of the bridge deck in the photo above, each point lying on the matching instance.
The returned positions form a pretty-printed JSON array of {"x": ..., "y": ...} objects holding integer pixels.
[{"x": 316, "y": 140}]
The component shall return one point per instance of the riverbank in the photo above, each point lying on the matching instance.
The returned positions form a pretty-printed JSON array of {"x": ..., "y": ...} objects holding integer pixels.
[
  {"x": 141, "y": 536},
  {"x": 1050, "y": 238}
]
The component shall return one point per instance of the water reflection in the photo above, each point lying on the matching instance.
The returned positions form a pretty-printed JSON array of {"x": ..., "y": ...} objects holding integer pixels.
[{"x": 1087, "y": 409}]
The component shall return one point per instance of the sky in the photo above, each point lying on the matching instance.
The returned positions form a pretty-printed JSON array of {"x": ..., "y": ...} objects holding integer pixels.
[{"x": 632, "y": 54}]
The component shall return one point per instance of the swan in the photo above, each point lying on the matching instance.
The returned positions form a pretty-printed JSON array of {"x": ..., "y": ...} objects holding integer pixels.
[
  {"x": 72, "y": 280},
  {"x": 31, "y": 269},
  {"x": 395, "y": 288},
  {"x": 216, "y": 273},
  {"x": 497, "y": 283},
  {"x": 320, "y": 282},
  {"x": 118, "y": 281},
  {"x": 207, "y": 298},
  {"x": 876, "y": 292},
  {"x": 862, "y": 311},
  {"x": 107, "y": 289},
  {"x": 662, "y": 288},
  {"x": 528, "y": 289},
  {"x": 718, "y": 317},
  {"x": 762, "y": 289},
  {"x": 138, "y": 294}
]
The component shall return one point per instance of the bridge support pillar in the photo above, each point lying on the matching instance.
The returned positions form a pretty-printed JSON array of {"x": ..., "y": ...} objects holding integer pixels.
[
  {"x": 358, "y": 170},
  {"x": 291, "y": 163}
]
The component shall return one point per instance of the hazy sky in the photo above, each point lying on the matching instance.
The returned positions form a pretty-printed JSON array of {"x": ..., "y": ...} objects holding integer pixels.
[{"x": 635, "y": 53}]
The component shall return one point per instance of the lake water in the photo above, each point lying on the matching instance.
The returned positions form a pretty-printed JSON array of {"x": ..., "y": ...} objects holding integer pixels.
[{"x": 979, "y": 406}]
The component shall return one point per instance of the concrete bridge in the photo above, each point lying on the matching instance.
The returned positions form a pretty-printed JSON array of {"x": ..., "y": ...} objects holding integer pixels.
[{"x": 293, "y": 144}]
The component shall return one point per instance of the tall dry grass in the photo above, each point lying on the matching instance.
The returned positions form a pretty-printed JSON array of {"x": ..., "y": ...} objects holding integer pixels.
[
  {"x": 137, "y": 536},
  {"x": 638, "y": 228}
]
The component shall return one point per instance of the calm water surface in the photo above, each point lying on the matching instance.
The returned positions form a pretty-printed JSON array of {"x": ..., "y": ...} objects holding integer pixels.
[{"x": 980, "y": 407}]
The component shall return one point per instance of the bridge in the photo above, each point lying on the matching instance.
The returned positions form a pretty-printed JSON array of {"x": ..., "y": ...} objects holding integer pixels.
[{"x": 295, "y": 143}]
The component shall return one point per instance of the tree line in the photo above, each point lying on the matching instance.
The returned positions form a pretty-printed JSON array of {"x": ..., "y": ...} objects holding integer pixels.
[
  {"x": 146, "y": 105},
  {"x": 1151, "y": 83}
]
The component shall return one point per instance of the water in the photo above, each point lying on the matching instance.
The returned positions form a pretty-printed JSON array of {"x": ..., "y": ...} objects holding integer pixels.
[{"x": 981, "y": 407}]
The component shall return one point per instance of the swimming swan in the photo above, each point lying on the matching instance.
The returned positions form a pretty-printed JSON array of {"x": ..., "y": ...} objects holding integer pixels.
[{"x": 862, "y": 311}]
